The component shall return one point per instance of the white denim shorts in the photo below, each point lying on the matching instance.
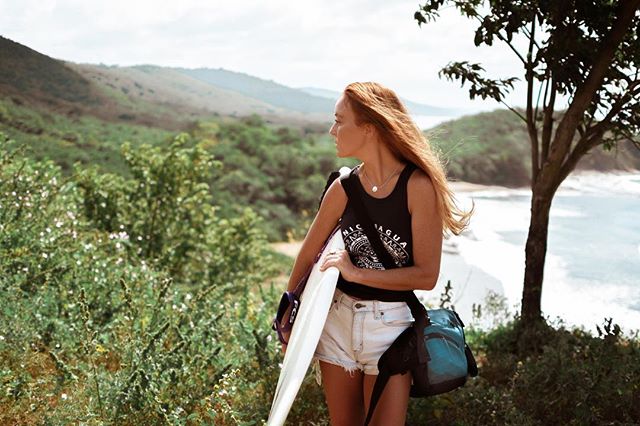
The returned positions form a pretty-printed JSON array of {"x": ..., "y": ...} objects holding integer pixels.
[{"x": 358, "y": 332}]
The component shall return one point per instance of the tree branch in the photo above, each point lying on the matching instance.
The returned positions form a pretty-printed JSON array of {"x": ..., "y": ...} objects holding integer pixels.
[
  {"x": 502, "y": 38},
  {"x": 584, "y": 94},
  {"x": 547, "y": 124},
  {"x": 544, "y": 84},
  {"x": 582, "y": 147},
  {"x": 531, "y": 122},
  {"x": 593, "y": 136},
  {"x": 615, "y": 109}
]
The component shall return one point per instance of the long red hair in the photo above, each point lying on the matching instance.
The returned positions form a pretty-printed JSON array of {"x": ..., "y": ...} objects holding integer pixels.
[{"x": 378, "y": 105}]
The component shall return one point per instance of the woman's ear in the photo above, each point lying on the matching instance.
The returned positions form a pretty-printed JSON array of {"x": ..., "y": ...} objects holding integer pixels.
[{"x": 370, "y": 129}]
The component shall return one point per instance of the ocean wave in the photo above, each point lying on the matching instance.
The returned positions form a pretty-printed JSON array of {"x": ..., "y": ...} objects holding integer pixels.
[{"x": 578, "y": 301}]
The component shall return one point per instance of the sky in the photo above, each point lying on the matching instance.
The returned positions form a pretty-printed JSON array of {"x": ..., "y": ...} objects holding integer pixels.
[{"x": 305, "y": 43}]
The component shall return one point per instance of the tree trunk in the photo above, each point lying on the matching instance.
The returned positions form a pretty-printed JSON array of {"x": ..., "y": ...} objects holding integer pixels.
[{"x": 535, "y": 253}]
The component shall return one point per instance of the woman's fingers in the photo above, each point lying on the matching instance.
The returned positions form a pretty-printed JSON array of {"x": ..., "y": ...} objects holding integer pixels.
[{"x": 332, "y": 259}]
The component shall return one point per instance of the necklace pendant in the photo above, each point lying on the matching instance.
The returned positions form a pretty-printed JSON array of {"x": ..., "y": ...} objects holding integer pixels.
[{"x": 374, "y": 189}]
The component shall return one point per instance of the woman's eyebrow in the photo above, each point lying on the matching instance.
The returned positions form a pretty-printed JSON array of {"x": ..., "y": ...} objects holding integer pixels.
[{"x": 338, "y": 115}]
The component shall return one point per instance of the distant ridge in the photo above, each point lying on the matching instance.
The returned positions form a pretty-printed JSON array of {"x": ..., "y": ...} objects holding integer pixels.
[
  {"x": 264, "y": 90},
  {"x": 414, "y": 107}
]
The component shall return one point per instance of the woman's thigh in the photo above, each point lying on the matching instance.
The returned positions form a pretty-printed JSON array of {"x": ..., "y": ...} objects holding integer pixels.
[
  {"x": 391, "y": 408},
  {"x": 344, "y": 395}
]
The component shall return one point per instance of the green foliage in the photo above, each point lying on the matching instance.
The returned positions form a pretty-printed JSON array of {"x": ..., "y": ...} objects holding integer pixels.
[
  {"x": 67, "y": 140},
  {"x": 492, "y": 154},
  {"x": 544, "y": 375},
  {"x": 278, "y": 172},
  {"x": 99, "y": 327}
]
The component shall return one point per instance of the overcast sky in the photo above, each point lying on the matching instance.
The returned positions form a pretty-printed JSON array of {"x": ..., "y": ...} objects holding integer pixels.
[{"x": 319, "y": 43}]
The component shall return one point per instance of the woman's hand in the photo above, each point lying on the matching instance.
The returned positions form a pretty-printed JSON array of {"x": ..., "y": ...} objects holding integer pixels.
[{"x": 341, "y": 260}]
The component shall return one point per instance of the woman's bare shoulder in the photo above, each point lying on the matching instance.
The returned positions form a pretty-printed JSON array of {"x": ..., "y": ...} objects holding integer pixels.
[
  {"x": 335, "y": 198},
  {"x": 420, "y": 188}
]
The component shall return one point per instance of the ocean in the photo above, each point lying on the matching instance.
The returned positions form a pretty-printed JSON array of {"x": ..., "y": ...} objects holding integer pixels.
[{"x": 592, "y": 266}]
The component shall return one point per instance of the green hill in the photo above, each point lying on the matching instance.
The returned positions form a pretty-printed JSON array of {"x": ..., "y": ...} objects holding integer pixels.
[
  {"x": 493, "y": 148},
  {"x": 161, "y": 91},
  {"x": 39, "y": 78}
]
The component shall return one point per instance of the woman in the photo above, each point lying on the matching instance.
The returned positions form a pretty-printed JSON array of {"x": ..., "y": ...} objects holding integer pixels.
[{"x": 405, "y": 192}]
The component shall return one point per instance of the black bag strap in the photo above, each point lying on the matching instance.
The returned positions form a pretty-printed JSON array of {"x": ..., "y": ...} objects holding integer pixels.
[
  {"x": 349, "y": 183},
  {"x": 333, "y": 176},
  {"x": 418, "y": 311}
]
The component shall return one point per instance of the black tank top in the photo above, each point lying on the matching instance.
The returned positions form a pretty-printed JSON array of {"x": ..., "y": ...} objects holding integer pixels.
[{"x": 392, "y": 220}]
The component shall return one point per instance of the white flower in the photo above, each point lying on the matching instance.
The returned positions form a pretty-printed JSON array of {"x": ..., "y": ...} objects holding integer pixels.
[{"x": 63, "y": 396}]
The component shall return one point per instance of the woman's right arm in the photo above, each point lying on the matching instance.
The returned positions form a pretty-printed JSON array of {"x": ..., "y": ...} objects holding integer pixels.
[{"x": 330, "y": 211}]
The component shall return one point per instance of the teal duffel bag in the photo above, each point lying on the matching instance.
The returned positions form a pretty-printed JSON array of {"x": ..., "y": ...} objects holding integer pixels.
[
  {"x": 441, "y": 363},
  {"x": 446, "y": 361}
]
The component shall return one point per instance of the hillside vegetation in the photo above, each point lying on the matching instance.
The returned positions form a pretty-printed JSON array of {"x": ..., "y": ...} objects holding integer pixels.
[
  {"x": 131, "y": 301},
  {"x": 24, "y": 71},
  {"x": 493, "y": 148}
]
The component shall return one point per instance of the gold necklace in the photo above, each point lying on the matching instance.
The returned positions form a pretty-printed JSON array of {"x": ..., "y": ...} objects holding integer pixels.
[{"x": 375, "y": 188}]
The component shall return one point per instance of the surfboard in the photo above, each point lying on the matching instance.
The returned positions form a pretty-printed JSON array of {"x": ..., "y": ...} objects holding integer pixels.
[{"x": 315, "y": 302}]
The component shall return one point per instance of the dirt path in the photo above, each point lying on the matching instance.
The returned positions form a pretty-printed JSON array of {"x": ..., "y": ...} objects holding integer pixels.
[{"x": 289, "y": 249}]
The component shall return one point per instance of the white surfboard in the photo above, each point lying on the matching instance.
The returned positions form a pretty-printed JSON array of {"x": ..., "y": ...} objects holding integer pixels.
[{"x": 315, "y": 302}]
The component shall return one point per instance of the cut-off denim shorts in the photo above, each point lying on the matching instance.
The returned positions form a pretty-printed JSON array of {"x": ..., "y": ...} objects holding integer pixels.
[{"x": 358, "y": 332}]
